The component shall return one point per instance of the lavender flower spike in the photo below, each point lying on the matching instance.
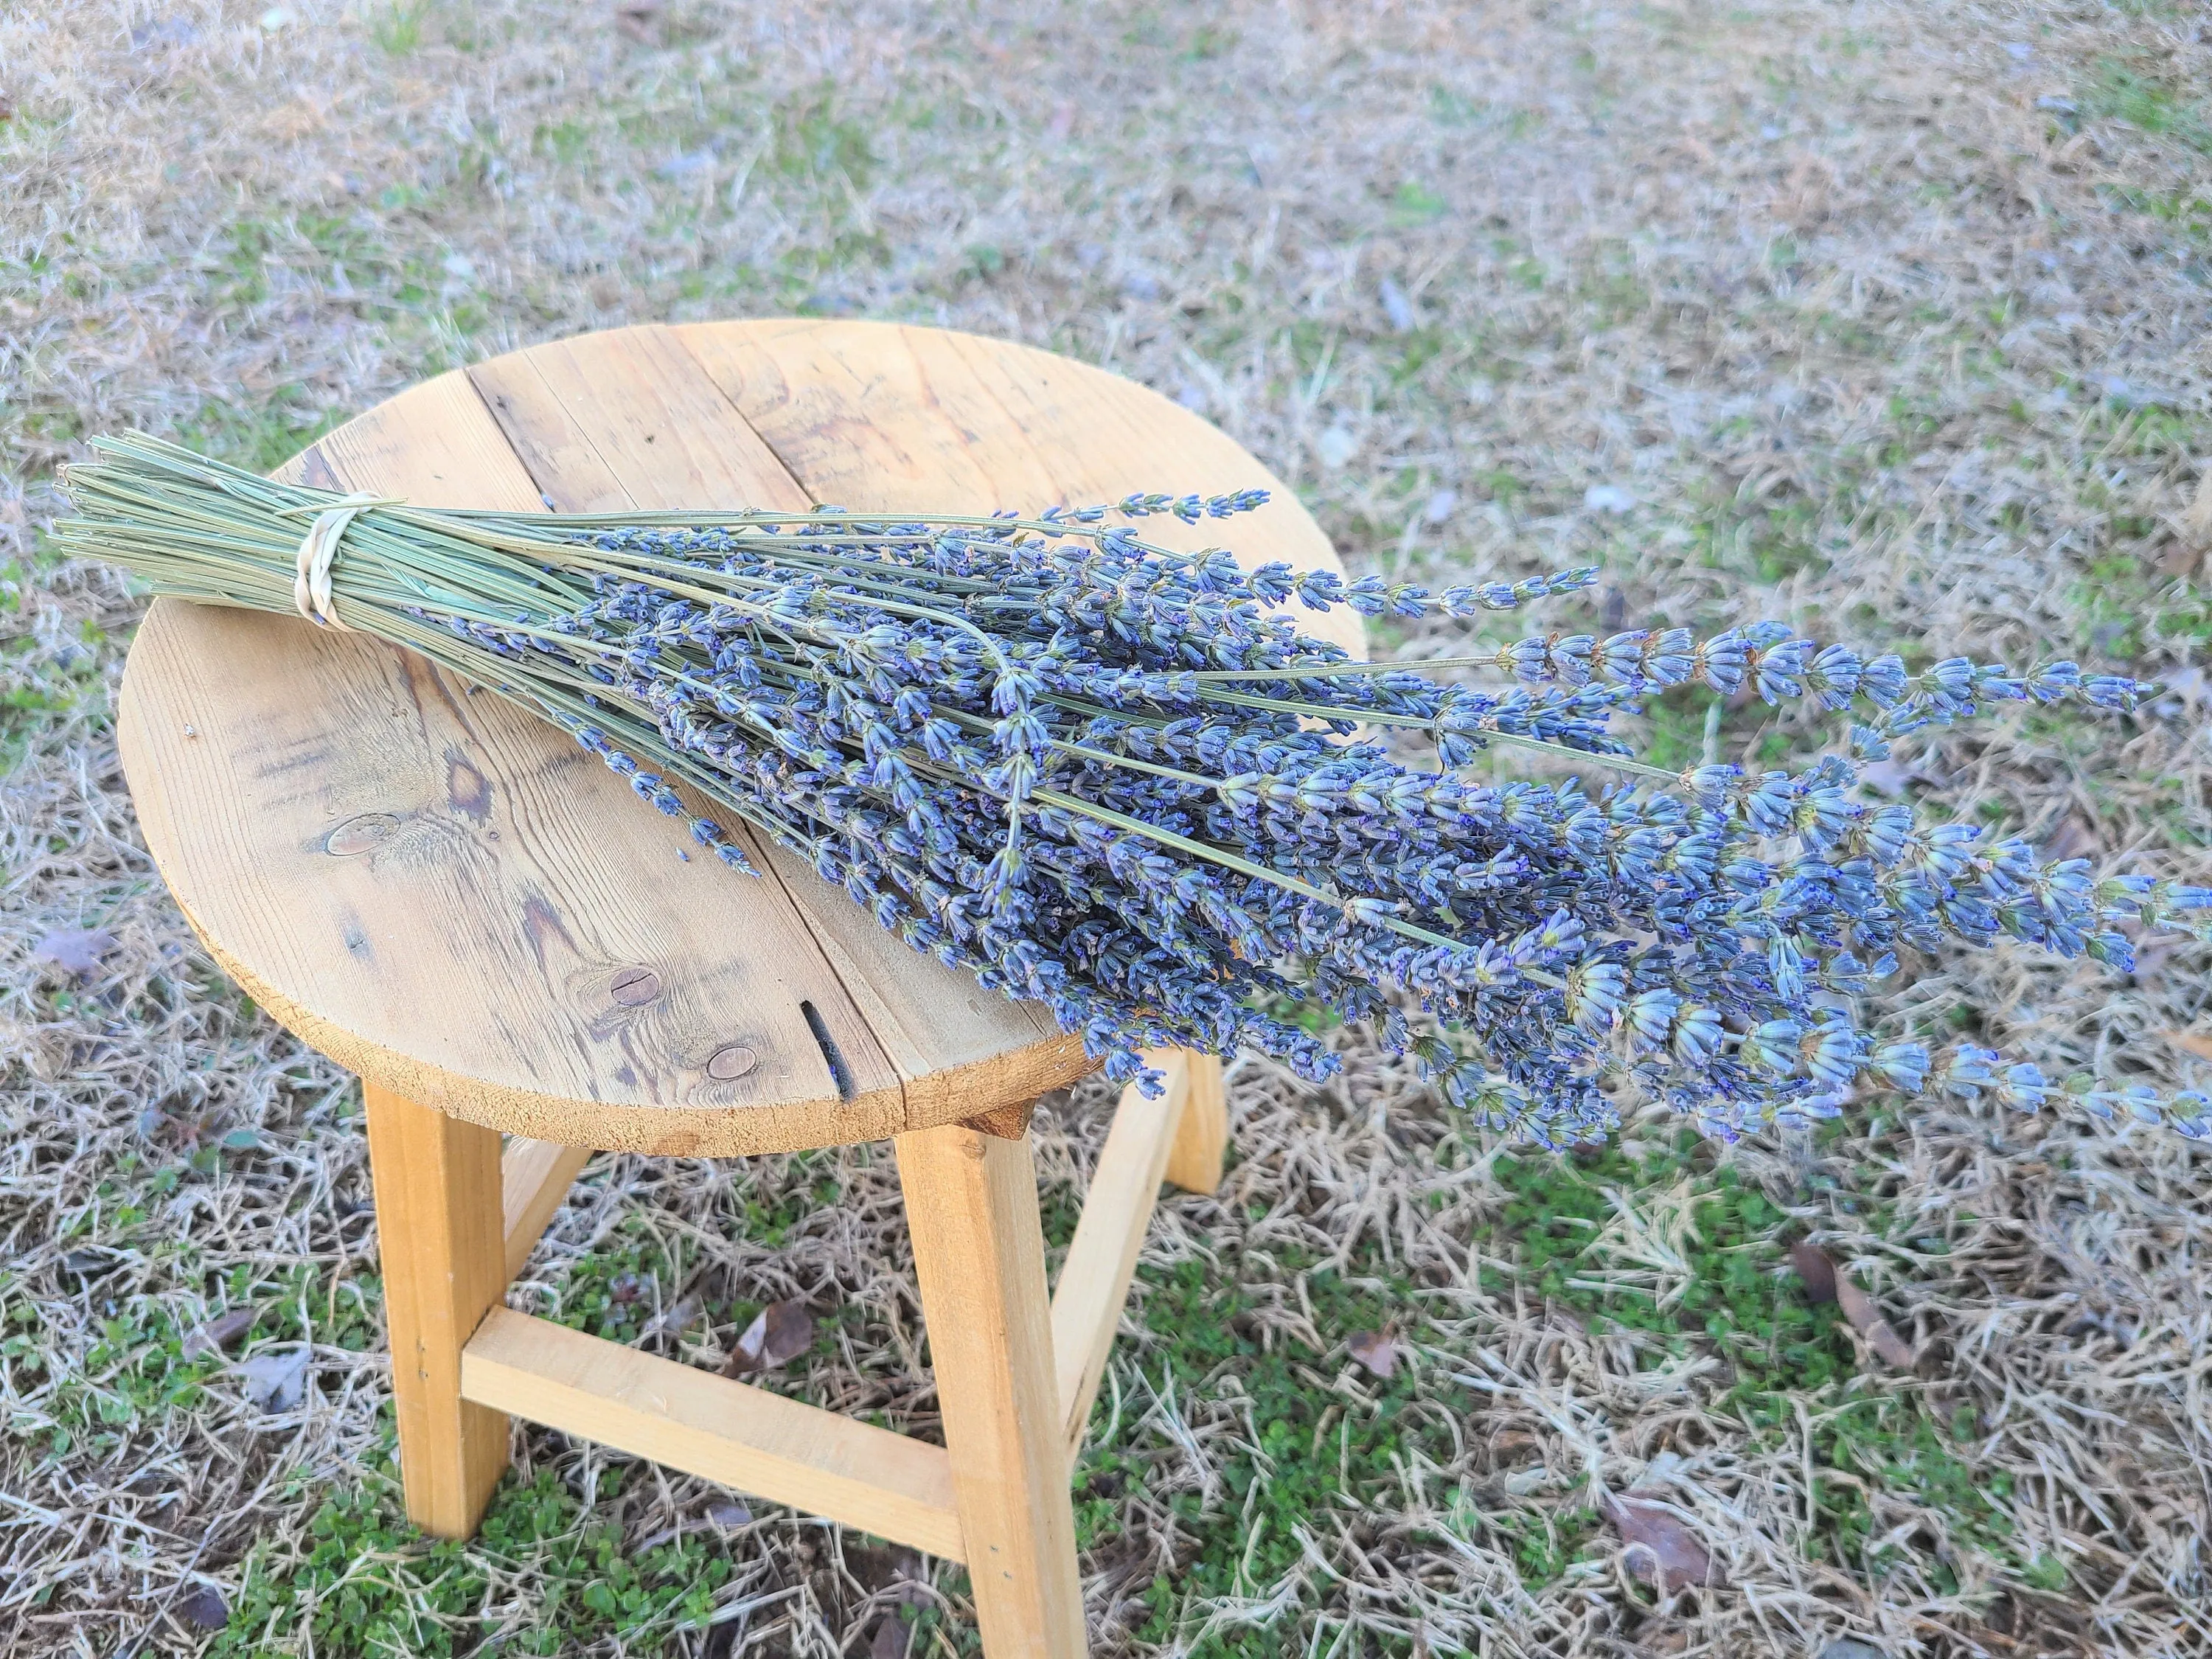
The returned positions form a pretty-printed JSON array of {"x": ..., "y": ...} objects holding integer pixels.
[{"x": 1116, "y": 780}]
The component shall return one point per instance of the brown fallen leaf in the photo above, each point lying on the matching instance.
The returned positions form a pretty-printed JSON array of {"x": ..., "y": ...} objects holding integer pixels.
[
  {"x": 276, "y": 1379},
  {"x": 673, "y": 1319},
  {"x": 203, "y": 1608},
  {"x": 1658, "y": 1547},
  {"x": 639, "y": 19},
  {"x": 1376, "y": 1350},
  {"x": 2194, "y": 1042},
  {"x": 892, "y": 1635},
  {"x": 781, "y": 1332},
  {"x": 76, "y": 949},
  {"x": 2183, "y": 555},
  {"x": 1511, "y": 1445},
  {"x": 1865, "y": 1314},
  {"x": 2069, "y": 838},
  {"x": 219, "y": 1333},
  {"x": 1815, "y": 1269}
]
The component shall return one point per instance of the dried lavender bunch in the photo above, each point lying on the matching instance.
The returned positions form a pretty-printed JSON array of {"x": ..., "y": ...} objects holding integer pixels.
[{"x": 1115, "y": 778}]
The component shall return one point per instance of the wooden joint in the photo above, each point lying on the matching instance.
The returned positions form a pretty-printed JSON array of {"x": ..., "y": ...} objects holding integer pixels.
[
  {"x": 1007, "y": 1122},
  {"x": 742, "y": 1437}
]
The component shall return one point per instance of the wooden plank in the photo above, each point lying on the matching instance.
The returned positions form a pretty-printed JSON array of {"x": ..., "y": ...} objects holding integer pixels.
[
  {"x": 855, "y": 410},
  {"x": 432, "y": 444},
  {"x": 626, "y": 418},
  {"x": 962, "y": 1050},
  {"x": 873, "y": 415},
  {"x": 436, "y": 1181},
  {"x": 895, "y": 417},
  {"x": 534, "y": 1177},
  {"x": 745, "y": 1438},
  {"x": 1201, "y": 1139},
  {"x": 1101, "y": 1258},
  {"x": 444, "y": 893},
  {"x": 630, "y": 418},
  {"x": 971, "y": 1206}
]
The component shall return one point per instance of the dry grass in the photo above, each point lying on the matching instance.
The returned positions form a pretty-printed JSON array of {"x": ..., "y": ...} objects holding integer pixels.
[{"x": 1885, "y": 318}]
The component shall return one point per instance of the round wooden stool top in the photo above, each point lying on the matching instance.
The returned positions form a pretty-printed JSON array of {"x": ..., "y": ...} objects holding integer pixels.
[{"x": 449, "y": 897}]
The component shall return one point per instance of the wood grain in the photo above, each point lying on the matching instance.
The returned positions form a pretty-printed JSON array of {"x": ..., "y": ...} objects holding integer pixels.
[
  {"x": 882, "y": 415},
  {"x": 784, "y": 1450},
  {"x": 436, "y": 1181},
  {"x": 635, "y": 420},
  {"x": 496, "y": 888},
  {"x": 1102, "y": 1257},
  {"x": 888, "y": 416},
  {"x": 432, "y": 444},
  {"x": 971, "y": 1206},
  {"x": 443, "y": 893},
  {"x": 626, "y": 418}
]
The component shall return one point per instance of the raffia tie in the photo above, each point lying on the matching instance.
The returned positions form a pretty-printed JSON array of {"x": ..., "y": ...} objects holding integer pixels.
[{"x": 311, "y": 584}]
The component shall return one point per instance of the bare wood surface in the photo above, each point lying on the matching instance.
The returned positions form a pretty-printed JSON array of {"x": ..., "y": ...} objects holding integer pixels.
[
  {"x": 448, "y": 896},
  {"x": 745, "y": 1438},
  {"x": 626, "y": 418},
  {"x": 437, "y": 1186},
  {"x": 1201, "y": 1136},
  {"x": 534, "y": 1176},
  {"x": 1102, "y": 1257},
  {"x": 445, "y": 895},
  {"x": 971, "y": 1206},
  {"x": 896, "y": 417},
  {"x": 432, "y": 444}
]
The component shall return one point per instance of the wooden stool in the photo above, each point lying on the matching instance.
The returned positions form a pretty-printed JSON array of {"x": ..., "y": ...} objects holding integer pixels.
[{"x": 450, "y": 897}]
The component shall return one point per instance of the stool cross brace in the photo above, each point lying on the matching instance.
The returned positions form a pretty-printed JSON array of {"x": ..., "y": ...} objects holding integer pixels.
[{"x": 457, "y": 1217}]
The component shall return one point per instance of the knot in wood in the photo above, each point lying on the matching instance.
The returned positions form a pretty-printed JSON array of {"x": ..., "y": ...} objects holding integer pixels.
[
  {"x": 728, "y": 1064},
  {"x": 363, "y": 833},
  {"x": 634, "y": 987}
]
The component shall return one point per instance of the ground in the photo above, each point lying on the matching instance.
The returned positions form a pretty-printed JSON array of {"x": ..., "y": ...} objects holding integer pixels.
[{"x": 1887, "y": 317}]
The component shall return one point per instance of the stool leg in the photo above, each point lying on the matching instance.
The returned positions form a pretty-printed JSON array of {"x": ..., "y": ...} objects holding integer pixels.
[
  {"x": 1202, "y": 1132},
  {"x": 971, "y": 1204},
  {"x": 439, "y": 1231}
]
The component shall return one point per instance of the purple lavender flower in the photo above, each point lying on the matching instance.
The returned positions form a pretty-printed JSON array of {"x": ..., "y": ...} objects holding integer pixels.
[{"x": 1116, "y": 779}]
